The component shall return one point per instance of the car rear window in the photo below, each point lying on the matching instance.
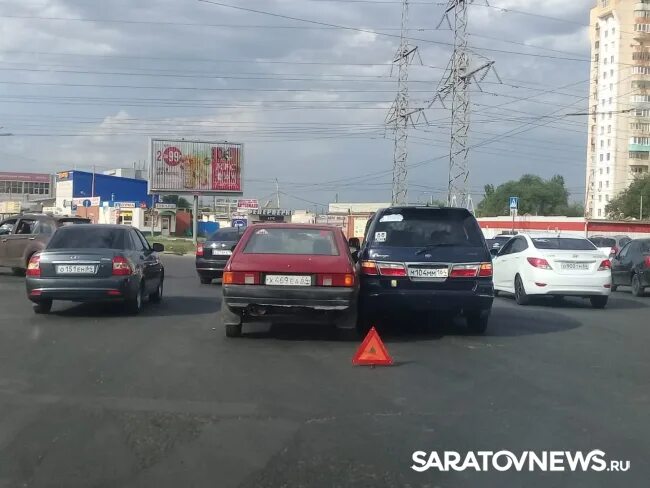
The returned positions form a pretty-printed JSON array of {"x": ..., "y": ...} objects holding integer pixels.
[
  {"x": 72, "y": 221},
  {"x": 278, "y": 240},
  {"x": 229, "y": 234},
  {"x": 563, "y": 243},
  {"x": 74, "y": 237},
  {"x": 603, "y": 241},
  {"x": 421, "y": 227}
]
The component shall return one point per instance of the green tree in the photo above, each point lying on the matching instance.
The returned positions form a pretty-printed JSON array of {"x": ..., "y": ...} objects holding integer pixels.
[
  {"x": 536, "y": 196},
  {"x": 179, "y": 201},
  {"x": 628, "y": 203}
]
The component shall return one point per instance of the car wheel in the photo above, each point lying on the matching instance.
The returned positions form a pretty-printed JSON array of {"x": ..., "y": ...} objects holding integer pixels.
[
  {"x": 156, "y": 296},
  {"x": 43, "y": 307},
  {"x": 205, "y": 280},
  {"x": 521, "y": 297},
  {"x": 598, "y": 301},
  {"x": 18, "y": 271},
  {"x": 134, "y": 304},
  {"x": 614, "y": 287},
  {"x": 496, "y": 293},
  {"x": 637, "y": 289},
  {"x": 233, "y": 330},
  {"x": 477, "y": 321}
]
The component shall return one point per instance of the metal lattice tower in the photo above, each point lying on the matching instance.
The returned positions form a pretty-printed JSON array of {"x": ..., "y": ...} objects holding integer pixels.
[
  {"x": 400, "y": 114},
  {"x": 455, "y": 84}
]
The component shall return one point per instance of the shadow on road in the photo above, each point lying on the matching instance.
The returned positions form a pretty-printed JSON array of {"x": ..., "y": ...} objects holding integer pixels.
[
  {"x": 616, "y": 301},
  {"x": 170, "y": 306},
  {"x": 523, "y": 321}
]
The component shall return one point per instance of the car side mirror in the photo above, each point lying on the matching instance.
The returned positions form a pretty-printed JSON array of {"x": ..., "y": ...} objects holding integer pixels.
[
  {"x": 355, "y": 255},
  {"x": 157, "y": 247},
  {"x": 354, "y": 243}
]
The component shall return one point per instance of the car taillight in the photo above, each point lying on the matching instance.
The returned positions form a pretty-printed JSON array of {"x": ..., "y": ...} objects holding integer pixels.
[
  {"x": 464, "y": 270},
  {"x": 605, "y": 265},
  {"x": 34, "y": 266},
  {"x": 121, "y": 266},
  {"x": 199, "y": 249},
  {"x": 240, "y": 278},
  {"x": 337, "y": 279},
  {"x": 539, "y": 263},
  {"x": 485, "y": 271},
  {"x": 646, "y": 261},
  {"x": 369, "y": 268},
  {"x": 391, "y": 269}
]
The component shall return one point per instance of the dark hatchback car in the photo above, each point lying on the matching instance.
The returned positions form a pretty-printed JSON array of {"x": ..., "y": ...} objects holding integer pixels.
[
  {"x": 631, "y": 266},
  {"x": 89, "y": 262},
  {"x": 425, "y": 259},
  {"x": 213, "y": 254}
]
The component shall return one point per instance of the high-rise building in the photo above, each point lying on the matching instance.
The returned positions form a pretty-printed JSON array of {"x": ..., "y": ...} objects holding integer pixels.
[{"x": 619, "y": 100}]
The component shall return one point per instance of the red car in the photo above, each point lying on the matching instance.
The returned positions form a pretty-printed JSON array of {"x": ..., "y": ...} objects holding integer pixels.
[{"x": 290, "y": 273}]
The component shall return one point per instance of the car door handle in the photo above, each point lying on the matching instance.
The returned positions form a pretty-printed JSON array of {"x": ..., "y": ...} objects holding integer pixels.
[{"x": 31, "y": 238}]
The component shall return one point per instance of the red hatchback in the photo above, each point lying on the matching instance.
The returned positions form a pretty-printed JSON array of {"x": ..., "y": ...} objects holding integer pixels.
[{"x": 290, "y": 273}]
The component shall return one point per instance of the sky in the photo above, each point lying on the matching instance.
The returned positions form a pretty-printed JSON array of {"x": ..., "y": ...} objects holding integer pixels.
[{"x": 85, "y": 84}]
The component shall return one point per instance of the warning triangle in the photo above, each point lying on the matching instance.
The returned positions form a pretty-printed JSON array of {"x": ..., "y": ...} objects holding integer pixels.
[{"x": 372, "y": 351}]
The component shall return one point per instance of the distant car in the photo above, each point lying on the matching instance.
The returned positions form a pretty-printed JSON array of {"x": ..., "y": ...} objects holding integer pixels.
[
  {"x": 497, "y": 242},
  {"x": 89, "y": 262},
  {"x": 290, "y": 273},
  {"x": 23, "y": 235},
  {"x": 610, "y": 245},
  {"x": 213, "y": 254},
  {"x": 530, "y": 265},
  {"x": 631, "y": 266},
  {"x": 425, "y": 259}
]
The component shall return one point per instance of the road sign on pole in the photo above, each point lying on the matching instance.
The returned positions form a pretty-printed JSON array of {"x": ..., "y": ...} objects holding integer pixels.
[{"x": 514, "y": 203}]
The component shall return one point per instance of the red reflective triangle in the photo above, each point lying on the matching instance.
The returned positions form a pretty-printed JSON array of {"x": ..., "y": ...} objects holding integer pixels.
[{"x": 372, "y": 351}]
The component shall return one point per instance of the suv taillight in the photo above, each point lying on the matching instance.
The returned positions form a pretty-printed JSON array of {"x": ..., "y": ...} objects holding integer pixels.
[
  {"x": 199, "y": 249},
  {"x": 391, "y": 269},
  {"x": 34, "y": 266},
  {"x": 464, "y": 271},
  {"x": 240, "y": 278},
  {"x": 485, "y": 271},
  {"x": 369, "y": 268},
  {"x": 121, "y": 266}
]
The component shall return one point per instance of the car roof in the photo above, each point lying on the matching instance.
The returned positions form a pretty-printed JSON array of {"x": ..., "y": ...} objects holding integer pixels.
[
  {"x": 41, "y": 216},
  {"x": 553, "y": 236},
  {"x": 95, "y": 226},
  {"x": 288, "y": 225}
]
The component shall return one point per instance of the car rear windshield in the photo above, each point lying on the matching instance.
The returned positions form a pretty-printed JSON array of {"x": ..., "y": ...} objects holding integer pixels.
[
  {"x": 74, "y": 237},
  {"x": 423, "y": 227},
  {"x": 563, "y": 243},
  {"x": 603, "y": 241},
  {"x": 229, "y": 234},
  {"x": 292, "y": 241},
  {"x": 72, "y": 221}
]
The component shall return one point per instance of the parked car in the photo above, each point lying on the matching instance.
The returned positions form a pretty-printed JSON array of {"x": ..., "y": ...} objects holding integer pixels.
[
  {"x": 90, "y": 262},
  {"x": 213, "y": 254},
  {"x": 290, "y": 273},
  {"x": 23, "y": 235},
  {"x": 554, "y": 265},
  {"x": 425, "y": 259},
  {"x": 631, "y": 266},
  {"x": 610, "y": 245}
]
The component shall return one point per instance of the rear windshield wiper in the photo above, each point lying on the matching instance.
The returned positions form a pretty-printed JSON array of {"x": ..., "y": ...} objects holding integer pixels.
[{"x": 433, "y": 246}]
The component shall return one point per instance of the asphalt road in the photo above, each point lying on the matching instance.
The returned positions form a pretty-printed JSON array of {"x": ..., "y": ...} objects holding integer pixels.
[{"x": 89, "y": 398}]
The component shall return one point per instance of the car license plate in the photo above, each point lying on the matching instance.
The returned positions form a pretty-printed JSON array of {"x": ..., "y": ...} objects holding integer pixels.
[
  {"x": 428, "y": 272},
  {"x": 287, "y": 280},
  {"x": 75, "y": 269},
  {"x": 221, "y": 252},
  {"x": 575, "y": 266}
]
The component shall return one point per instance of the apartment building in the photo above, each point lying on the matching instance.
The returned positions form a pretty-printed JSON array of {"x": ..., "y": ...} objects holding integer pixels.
[{"x": 619, "y": 109}]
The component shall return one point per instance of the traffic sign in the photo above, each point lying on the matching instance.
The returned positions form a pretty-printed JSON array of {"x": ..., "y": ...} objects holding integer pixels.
[
  {"x": 87, "y": 203},
  {"x": 239, "y": 222},
  {"x": 74, "y": 207},
  {"x": 514, "y": 203},
  {"x": 372, "y": 352}
]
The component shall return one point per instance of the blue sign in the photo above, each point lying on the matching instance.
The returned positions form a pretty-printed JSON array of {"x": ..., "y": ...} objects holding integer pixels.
[
  {"x": 74, "y": 207},
  {"x": 514, "y": 203},
  {"x": 87, "y": 203},
  {"x": 239, "y": 222}
]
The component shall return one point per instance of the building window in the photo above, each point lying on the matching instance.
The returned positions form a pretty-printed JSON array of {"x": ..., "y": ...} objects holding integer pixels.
[
  {"x": 601, "y": 157},
  {"x": 609, "y": 142},
  {"x": 607, "y": 157},
  {"x": 613, "y": 30},
  {"x": 645, "y": 141},
  {"x": 607, "y": 184},
  {"x": 601, "y": 171},
  {"x": 611, "y": 59},
  {"x": 642, "y": 112},
  {"x": 609, "y": 129},
  {"x": 606, "y": 33},
  {"x": 599, "y": 212},
  {"x": 602, "y": 129},
  {"x": 605, "y": 62},
  {"x": 600, "y": 185},
  {"x": 11, "y": 187},
  {"x": 641, "y": 70},
  {"x": 611, "y": 72},
  {"x": 600, "y": 198},
  {"x": 611, "y": 86},
  {"x": 602, "y": 144},
  {"x": 602, "y": 117},
  {"x": 610, "y": 100},
  {"x": 607, "y": 198},
  {"x": 604, "y": 75},
  {"x": 609, "y": 115},
  {"x": 607, "y": 169},
  {"x": 639, "y": 155}
]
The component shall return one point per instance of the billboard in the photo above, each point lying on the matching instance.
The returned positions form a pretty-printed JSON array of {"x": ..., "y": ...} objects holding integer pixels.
[{"x": 179, "y": 166}]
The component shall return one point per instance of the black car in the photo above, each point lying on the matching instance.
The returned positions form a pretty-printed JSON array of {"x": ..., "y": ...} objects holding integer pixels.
[
  {"x": 497, "y": 242},
  {"x": 631, "y": 266},
  {"x": 425, "y": 259},
  {"x": 89, "y": 262},
  {"x": 213, "y": 254}
]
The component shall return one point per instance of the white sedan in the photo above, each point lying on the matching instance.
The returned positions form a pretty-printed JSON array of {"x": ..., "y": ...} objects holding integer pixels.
[{"x": 530, "y": 265}]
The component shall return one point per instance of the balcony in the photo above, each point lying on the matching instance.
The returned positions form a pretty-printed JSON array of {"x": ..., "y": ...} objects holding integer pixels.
[{"x": 641, "y": 6}]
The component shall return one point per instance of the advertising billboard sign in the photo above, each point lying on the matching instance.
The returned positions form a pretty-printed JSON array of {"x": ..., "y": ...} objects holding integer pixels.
[
  {"x": 196, "y": 167},
  {"x": 248, "y": 203}
]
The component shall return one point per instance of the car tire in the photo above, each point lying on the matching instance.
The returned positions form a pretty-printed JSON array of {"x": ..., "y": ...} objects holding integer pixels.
[
  {"x": 134, "y": 304},
  {"x": 157, "y": 295},
  {"x": 599, "y": 301},
  {"x": 233, "y": 330},
  {"x": 496, "y": 293},
  {"x": 43, "y": 307},
  {"x": 205, "y": 280},
  {"x": 637, "y": 289},
  {"x": 614, "y": 287},
  {"x": 521, "y": 297},
  {"x": 18, "y": 271},
  {"x": 477, "y": 322}
]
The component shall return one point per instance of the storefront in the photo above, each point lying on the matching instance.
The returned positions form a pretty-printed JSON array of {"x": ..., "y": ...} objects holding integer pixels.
[{"x": 270, "y": 215}]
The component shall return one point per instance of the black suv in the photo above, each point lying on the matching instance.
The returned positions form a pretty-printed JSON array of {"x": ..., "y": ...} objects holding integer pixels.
[{"x": 425, "y": 259}]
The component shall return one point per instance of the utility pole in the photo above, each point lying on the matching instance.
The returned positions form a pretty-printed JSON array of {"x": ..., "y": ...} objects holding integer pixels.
[
  {"x": 277, "y": 192},
  {"x": 400, "y": 115},
  {"x": 641, "y": 209},
  {"x": 455, "y": 84}
]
